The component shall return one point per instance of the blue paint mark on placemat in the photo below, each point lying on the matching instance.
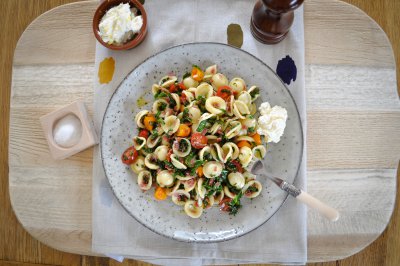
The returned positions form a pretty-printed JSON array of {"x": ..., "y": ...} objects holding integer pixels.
[{"x": 286, "y": 69}]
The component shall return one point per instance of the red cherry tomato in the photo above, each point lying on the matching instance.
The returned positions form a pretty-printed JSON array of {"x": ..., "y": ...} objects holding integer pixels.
[
  {"x": 182, "y": 86},
  {"x": 224, "y": 204},
  {"x": 198, "y": 140},
  {"x": 224, "y": 92},
  {"x": 129, "y": 156},
  {"x": 144, "y": 133},
  {"x": 173, "y": 88}
]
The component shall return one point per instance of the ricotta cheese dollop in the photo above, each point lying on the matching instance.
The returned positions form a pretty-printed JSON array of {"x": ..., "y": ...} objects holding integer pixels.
[
  {"x": 119, "y": 24},
  {"x": 272, "y": 122}
]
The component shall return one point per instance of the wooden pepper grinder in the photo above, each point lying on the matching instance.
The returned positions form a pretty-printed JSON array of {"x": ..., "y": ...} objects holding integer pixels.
[{"x": 272, "y": 19}]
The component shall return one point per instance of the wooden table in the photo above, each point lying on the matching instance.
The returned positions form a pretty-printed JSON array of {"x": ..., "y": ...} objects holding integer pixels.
[{"x": 51, "y": 237}]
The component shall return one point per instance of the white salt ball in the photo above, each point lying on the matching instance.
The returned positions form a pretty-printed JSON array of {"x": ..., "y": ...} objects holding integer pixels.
[{"x": 67, "y": 131}]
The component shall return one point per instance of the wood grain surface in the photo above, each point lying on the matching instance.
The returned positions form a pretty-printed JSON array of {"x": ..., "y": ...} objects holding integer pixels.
[{"x": 16, "y": 246}]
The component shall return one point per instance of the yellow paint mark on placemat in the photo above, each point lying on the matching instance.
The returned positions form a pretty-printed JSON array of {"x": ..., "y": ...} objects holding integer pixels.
[
  {"x": 235, "y": 35},
  {"x": 141, "y": 102},
  {"x": 106, "y": 70}
]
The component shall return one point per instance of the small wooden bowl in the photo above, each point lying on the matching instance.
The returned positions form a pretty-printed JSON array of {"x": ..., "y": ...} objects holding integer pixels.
[{"x": 101, "y": 11}]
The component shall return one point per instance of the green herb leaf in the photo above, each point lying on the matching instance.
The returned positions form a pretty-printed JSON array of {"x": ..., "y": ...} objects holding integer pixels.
[
  {"x": 160, "y": 94},
  {"x": 172, "y": 102},
  {"x": 189, "y": 159},
  {"x": 223, "y": 175},
  {"x": 139, "y": 141},
  {"x": 160, "y": 121},
  {"x": 183, "y": 145},
  {"x": 185, "y": 116},
  {"x": 201, "y": 126},
  {"x": 255, "y": 92},
  {"x": 186, "y": 75},
  {"x": 234, "y": 204},
  {"x": 154, "y": 134},
  {"x": 170, "y": 165},
  {"x": 252, "y": 189}
]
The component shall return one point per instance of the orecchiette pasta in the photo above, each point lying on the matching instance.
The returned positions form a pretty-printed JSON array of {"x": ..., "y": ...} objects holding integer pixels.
[
  {"x": 215, "y": 105},
  {"x": 204, "y": 90},
  {"x": 152, "y": 141},
  {"x": 160, "y": 105},
  {"x": 189, "y": 184},
  {"x": 177, "y": 101},
  {"x": 252, "y": 189},
  {"x": 240, "y": 109},
  {"x": 194, "y": 114},
  {"x": 140, "y": 117},
  {"x": 237, "y": 85},
  {"x": 210, "y": 71},
  {"x": 181, "y": 147},
  {"x": 138, "y": 165},
  {"x": 171, "y": 124},
  {"x": 189, "y": 82},
  {"x": 139, "y": 142},
  {"x": 197, "y": 141},
  {"x": 189, "y": 96},
  {"x": 192, "y": 209},
  {"x": 259, "y": 152},
  {"x": 161, "y": 152},
  {"x": 167, "y": 81},
  {"x": 245, "y": 98},
  {"x": 151, "y": 162},
  {"x": 212, "y": 169},
  {"x": 218, "y": 80},
  {"x": 237, "y": 180},
  {"x": 245, "y": 155},
  {"x": 175, "y": 161},
  {"x": 165, "y": 179},
  {"x": 145, "y": 180},
  {"x": 254, "y": 92},
  {"x": 179, "y": 197}
]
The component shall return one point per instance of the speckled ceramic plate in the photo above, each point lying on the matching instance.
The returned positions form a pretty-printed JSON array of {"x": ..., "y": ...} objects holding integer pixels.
[{"x": 165, "y": 218}]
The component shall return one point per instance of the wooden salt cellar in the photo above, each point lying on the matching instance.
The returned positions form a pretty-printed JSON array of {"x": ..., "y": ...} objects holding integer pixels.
[{"x": 272, "y": 19}]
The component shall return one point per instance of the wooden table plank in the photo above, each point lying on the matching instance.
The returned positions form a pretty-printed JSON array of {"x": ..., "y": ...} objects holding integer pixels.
[{"x": 86, "y": 155}]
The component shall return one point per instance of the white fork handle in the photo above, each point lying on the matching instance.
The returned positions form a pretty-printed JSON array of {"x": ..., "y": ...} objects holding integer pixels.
[{"x": 314, "y": 203}]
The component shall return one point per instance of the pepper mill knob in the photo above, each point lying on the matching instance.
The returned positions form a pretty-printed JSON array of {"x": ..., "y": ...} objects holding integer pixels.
[{"x": 272, "y": 19}]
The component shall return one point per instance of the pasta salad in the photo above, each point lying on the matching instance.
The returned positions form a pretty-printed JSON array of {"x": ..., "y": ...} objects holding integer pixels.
[{"x": 196, "y": 143}]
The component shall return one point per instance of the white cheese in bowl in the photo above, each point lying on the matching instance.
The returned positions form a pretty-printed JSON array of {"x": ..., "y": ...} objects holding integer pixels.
[
  {"x": 272, "y": 122},
  {"x": 119, "y": 24}
]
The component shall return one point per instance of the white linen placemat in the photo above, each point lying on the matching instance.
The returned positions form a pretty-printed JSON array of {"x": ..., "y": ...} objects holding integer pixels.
[{"x": 283, "y": 239}]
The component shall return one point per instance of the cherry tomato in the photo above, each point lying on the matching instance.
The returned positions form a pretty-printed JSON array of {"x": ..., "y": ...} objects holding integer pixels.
[
  {"x": 144, "y": 133},
  {"x": 173, "y": 88},
  {"x": 198, "y": 140},
  {"x": 224, "y": 92},
  {"x": 181, "y": 86},
  {"x": 197, "y": 74},
  {"x": 224, "y": 204},
  {"x": 129, "y": 156}
]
